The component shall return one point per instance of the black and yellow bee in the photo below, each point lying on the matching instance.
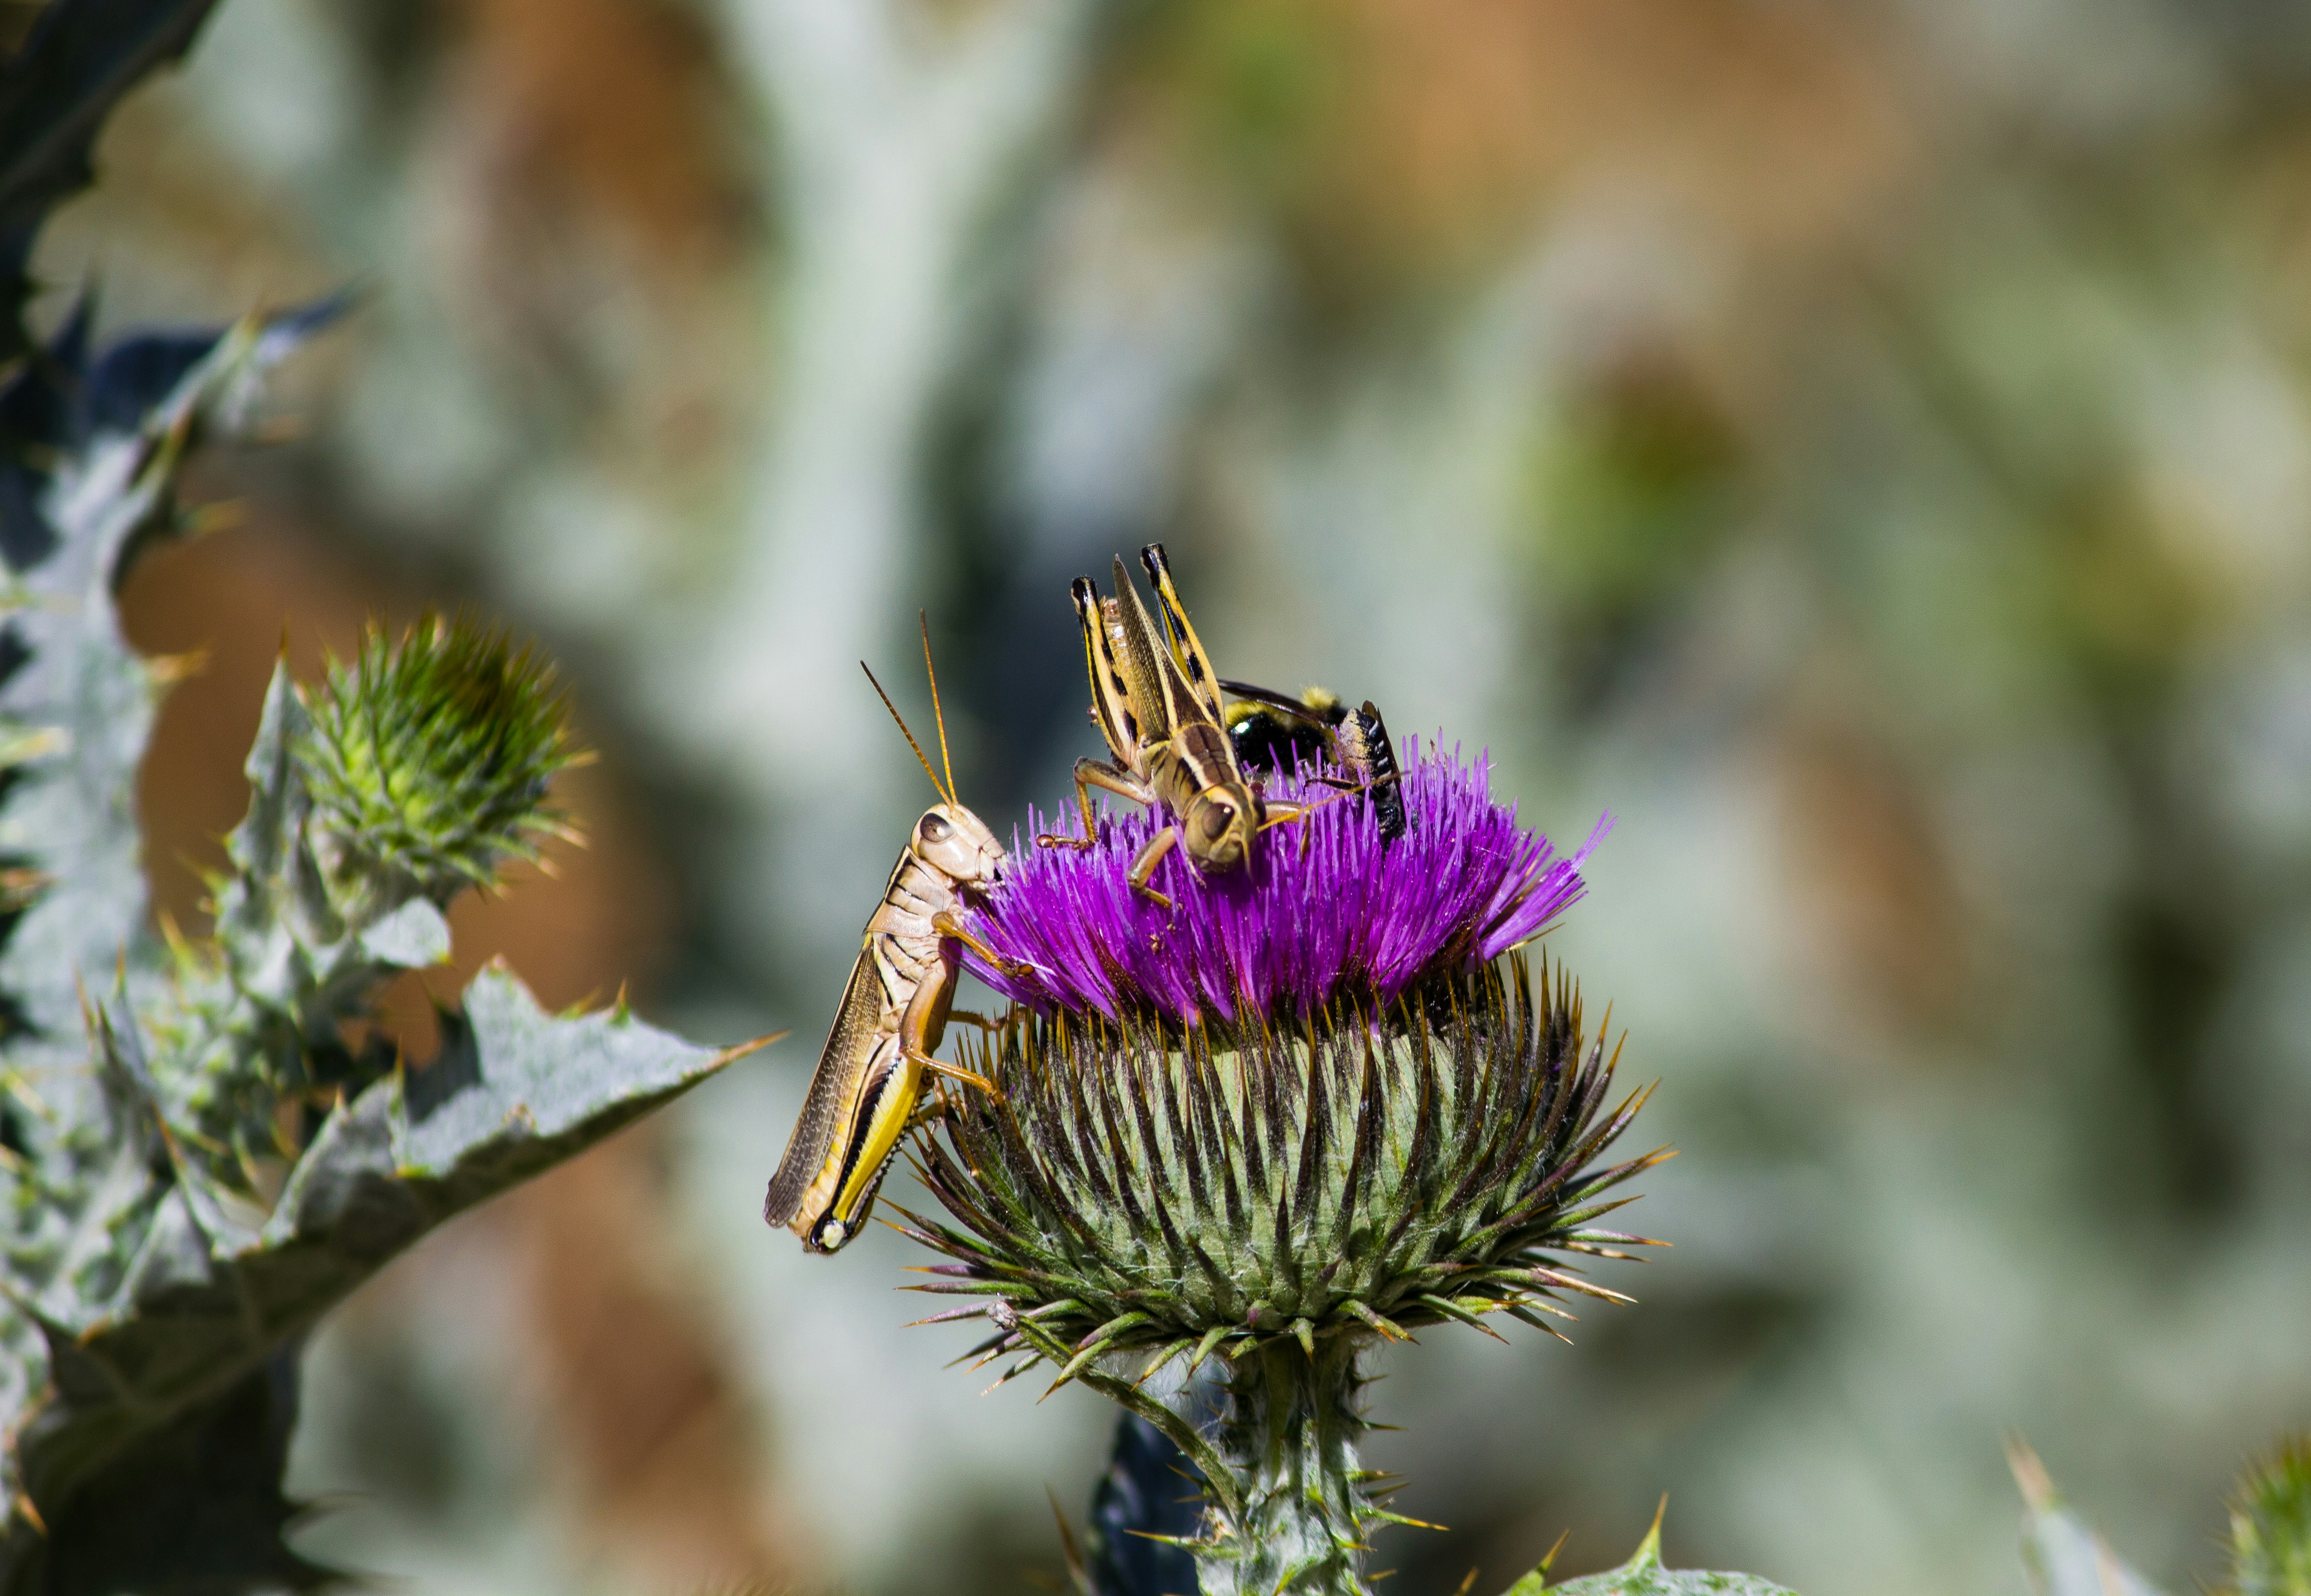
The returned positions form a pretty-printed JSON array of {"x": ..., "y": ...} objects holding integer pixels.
[{"x": 1271, "y": 731}]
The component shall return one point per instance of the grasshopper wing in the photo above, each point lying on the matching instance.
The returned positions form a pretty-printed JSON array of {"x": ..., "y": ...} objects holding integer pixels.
[{"x": 823, "y": 1130}]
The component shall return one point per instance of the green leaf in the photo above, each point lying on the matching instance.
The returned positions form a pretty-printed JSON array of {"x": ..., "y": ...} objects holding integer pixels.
[
  {"x": 412, "y": 936},
  {"x": 210, "y": 1296},
  {"x": 1644, "y": 1575},
  {"x": 75, "y": 711}
]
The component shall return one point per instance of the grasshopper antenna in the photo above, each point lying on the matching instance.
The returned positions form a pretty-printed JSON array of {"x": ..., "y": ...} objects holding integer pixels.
[
  {"x": 936, "y": 711},
  {"x": 944, "y": 794}
]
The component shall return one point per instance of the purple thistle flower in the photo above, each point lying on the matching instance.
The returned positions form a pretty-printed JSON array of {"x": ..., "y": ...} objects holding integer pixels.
[{"x": 1323, "y": 911}]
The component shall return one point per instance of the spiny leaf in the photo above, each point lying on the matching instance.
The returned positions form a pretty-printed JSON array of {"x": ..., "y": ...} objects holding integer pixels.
[
  {"x": 515, "y": 1091},
  {"x": 1644, "y": 1575}
]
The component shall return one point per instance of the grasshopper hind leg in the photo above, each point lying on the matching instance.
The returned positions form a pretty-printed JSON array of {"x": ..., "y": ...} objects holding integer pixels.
[{"x": 945, "y": 1072}]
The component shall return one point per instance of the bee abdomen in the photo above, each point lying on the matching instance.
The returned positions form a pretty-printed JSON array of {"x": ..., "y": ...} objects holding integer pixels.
[{"x": 1365, "y": 739}]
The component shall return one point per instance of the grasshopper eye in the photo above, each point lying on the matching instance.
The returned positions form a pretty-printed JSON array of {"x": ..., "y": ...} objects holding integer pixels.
[
  {"x": 1214, "y": 820},
  {"x": 931, "y": 828}
]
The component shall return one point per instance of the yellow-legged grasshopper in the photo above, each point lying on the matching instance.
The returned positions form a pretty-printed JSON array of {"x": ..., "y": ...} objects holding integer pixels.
[
  {"x": 1157, "y": 704},
  {"x": 869, "y": 1085}
]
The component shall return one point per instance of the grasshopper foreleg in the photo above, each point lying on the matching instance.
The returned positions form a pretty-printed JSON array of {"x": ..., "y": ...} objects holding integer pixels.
[
  {"x": 947, "y": 923},
  {"x": 1143, "y": 869},
  {"x": 1284, "y": 812}
]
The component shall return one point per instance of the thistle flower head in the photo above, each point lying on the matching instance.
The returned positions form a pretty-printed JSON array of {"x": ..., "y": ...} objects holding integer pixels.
[
  {"x": 433, "y": 756},
  {"x": 1363, "y": 1171},
  {"x": 1312, "y": 1101},
  {"x": 1323, "y": 913}
]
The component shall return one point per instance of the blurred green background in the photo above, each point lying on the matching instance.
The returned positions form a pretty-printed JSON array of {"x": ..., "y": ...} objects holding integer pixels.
[{"x": 1867, "y": 446}]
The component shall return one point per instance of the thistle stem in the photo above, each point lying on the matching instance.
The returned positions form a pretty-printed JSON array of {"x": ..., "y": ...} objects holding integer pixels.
[{"x": 1288, "y": 1437}]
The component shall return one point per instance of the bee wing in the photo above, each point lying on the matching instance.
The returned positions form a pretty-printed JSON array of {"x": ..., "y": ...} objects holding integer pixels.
[
  {"x": 1299, "y": 708},
  {"x": 834, "y": 1092},
  {"x": 1187, "y": 647}
]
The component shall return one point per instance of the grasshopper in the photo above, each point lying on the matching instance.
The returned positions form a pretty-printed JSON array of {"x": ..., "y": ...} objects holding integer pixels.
[
  {"x": 1158, "y": 706},
  {"x": 1270, "y": 731},
  {"x": 869, "y": 1085}
]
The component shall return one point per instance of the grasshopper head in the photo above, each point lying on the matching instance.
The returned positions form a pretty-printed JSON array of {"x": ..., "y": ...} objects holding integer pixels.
[
  {"x": 956, "y": 844},
  {"x": 1218, "y": 827}
]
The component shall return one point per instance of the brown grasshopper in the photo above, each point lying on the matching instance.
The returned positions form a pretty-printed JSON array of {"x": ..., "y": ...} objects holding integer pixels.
[
  {"x": 869, "y": 1085},
  {"x": 1158, "y": 706}
]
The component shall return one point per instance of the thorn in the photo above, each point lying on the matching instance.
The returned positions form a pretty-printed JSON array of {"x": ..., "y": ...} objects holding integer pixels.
[
  {"x": 1203, "y": 1347},
  {"x": 13, "y": 1082},
  {"x": 1011, "y": 1373},
  {"x": 1077, "y": 1571},
  {"x": 731, "y": 1055},
  {"x": 952, "y": 1314},
  {"x": 31, "y": 1514},
  {"x": 167, "y": 670},
  {"x": 2030, "y": 1476},
  {"x": 1470, "y": 1583},
  {"x": 220, "y": 515},
  {"x": 280, "y": 428},
  {"x": 1549, "y": 1561},
  {"x": 1648, "y": 1553}
]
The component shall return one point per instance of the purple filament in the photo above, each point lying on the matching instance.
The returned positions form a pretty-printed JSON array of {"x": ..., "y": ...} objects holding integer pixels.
[{"x": 1322, "y": 911}]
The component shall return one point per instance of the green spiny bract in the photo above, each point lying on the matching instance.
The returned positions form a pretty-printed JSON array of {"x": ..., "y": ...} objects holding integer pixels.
[
  {"x": 1280, "y": 1197},
  {"x": 432, "y": 758},
  {"x": 1139, "y": 1188},
  {"x": 2271, "y": 1525}
]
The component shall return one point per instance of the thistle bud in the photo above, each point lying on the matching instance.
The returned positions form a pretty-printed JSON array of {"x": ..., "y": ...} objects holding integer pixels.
[
  {"x": 430, "y": 759},
  {"x": 1318, "y": 1103},
  {"x": 2270, "y": 1526}
]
